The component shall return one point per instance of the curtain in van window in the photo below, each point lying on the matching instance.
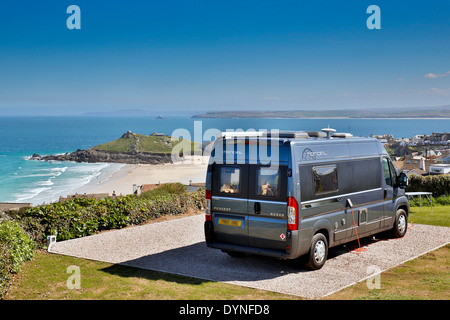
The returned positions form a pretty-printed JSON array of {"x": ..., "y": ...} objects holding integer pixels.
[
  {"x": 229, "y": 179},
  {"x": 268, "y": 182}
]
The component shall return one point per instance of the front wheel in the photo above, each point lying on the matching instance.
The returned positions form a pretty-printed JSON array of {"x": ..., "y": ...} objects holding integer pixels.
[
  {"x": 400, "y": 224},
  {"x": 318, "y": 252}
]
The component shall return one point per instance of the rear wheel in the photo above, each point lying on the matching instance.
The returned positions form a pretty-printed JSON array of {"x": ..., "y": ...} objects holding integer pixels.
[{"x": 318, "y": 252}]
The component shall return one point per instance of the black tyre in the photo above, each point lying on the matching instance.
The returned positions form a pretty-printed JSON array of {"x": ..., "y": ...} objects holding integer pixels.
[
  {"x": 400, "y": 224},
  {"x": 318, "y": 252}
]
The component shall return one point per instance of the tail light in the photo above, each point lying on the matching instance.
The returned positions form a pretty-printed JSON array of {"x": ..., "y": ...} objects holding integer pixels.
[
  {"x": 292, "y": 214},
  {"x": 208, "y": 205}
]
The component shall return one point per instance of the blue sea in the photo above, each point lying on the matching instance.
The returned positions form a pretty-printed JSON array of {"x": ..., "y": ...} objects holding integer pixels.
[{"x": 24, "y": 180}]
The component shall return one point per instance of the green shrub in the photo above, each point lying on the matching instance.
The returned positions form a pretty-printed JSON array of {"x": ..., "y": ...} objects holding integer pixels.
[
  {"x": 4, "y": 269},
  {"x": 16, "y": 247},
  {"x": 437, "y": 184},
  {"x": 440, "y": 201},
  {"x": 17, "y": 242},
  {"x": 173, "y": 188},
  {"x": 196, "y": 199},
  {"x": 80, "y": 217},
  {"x": 165, "y": 189}
]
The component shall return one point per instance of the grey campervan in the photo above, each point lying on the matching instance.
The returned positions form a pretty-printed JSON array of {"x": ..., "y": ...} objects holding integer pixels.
[{"x": 293, "y": 194}]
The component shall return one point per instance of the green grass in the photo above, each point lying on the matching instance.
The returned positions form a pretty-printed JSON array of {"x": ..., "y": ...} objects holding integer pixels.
[
  {"x": 438, "y": 215},
  {"x": 46, "y": 278},
  {"x": 424, "y": 278}
]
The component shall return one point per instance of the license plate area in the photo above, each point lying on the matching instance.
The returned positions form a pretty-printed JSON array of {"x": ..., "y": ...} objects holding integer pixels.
[{"x": 230, "y": 222}]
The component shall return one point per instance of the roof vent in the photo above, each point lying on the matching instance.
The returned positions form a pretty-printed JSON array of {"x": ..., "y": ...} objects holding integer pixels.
[
  {"x": 239, "y": 134},
  {"x": 328, "y": 131},
  {"x": 342, "y": 135},
  {"x": 316, "y": 134},
  {"x": 301, "y": 135}
]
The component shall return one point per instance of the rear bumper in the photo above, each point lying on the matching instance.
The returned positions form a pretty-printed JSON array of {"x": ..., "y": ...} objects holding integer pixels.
[
  {"x": 292, "y": 240},
  {"x": 251, "y": 250}
]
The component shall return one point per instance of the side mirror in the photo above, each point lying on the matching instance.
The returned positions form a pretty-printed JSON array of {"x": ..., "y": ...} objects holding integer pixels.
[{"x": 402, "y": 180}]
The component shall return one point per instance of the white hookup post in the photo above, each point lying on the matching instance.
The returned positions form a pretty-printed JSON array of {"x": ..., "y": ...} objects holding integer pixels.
[{"x": 50, "y": 240}]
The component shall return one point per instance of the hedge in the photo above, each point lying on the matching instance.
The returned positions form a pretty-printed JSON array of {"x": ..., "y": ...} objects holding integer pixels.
[
  {"x": 439, "y": 185},
  {"x": 81, "y": 217},
  {"x": 440, "y": 201},
  {"x": 16, "y": 247}
]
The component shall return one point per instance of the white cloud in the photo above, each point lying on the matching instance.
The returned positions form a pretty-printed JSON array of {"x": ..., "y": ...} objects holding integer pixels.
[{"x": 436, "y": 75}]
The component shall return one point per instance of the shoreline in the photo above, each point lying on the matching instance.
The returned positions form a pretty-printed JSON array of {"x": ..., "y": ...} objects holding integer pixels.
[
  {"x": 329, "y": 118},
  {"x": 192, "y": 169}
]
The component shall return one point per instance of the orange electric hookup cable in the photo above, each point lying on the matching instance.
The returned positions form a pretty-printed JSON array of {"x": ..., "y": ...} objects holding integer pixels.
[{"x": 359, "y": 250}]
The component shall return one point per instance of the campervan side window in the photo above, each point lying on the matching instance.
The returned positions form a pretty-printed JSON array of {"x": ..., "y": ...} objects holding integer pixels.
[
  {"x": 387, "y": 174},
  {"x": 229, "y": 179},
  {"x": 268, "y": 182},
  {"x": 325, "y": 179},
  {"x": 393, "y": 173}
]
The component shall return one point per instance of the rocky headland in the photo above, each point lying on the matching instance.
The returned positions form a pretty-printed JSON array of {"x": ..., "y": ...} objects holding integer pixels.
[
  {"x": 90, "y": 155},
  {"x": 131, "y": 148}
]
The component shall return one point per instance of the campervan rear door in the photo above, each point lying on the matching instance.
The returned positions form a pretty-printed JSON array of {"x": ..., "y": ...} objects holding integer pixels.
[
  {"x": 267, "y": 206},
  {"x": 267, "y": 196},
  {"x": 229, "y": 202}
]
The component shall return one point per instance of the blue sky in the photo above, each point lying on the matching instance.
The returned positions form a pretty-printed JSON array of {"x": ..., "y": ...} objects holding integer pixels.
[{"x": 213, "y": 55}]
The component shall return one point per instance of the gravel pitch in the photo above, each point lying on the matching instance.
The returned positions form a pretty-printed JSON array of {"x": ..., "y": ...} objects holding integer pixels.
[{"x": 177, "y": 246}]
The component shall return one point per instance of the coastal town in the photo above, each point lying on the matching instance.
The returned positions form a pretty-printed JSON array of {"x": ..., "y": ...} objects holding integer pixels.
[{"x": 421, "y": 154}]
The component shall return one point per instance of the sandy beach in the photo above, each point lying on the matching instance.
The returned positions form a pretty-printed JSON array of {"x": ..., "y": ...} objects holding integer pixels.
[{"x": 192, "y": 169}]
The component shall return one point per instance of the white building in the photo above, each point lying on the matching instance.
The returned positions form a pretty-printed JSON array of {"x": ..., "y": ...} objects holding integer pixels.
[{"x": 439, "y": 168}]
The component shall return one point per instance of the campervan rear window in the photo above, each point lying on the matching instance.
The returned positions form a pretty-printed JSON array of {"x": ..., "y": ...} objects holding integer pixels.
[
  {"x": 325, "y": 179},
  {"x": 229, "y": 179}
]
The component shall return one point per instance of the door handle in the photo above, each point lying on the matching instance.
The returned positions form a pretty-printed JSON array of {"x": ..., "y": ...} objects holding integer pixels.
[
  {"x": 257, "y": 208},
  {"x": 385, "y": 193}
]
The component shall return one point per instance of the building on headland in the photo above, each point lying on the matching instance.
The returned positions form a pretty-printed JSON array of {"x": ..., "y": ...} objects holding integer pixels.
[
  {"x": 413, "y": 165},
  {"x": 384, "y": 138},
  {"x": 439, "y": 168},
  {"x": 436, "y": 138},
  {"x": 421, "y": 154},
  {"x": 421, "y": 165},
  {"x": 443, "y": 158}
]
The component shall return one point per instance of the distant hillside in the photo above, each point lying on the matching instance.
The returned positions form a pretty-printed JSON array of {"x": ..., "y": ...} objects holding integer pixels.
[
  {"x": 129, "y": 148},
  {"x": 431, "y": 112}
]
